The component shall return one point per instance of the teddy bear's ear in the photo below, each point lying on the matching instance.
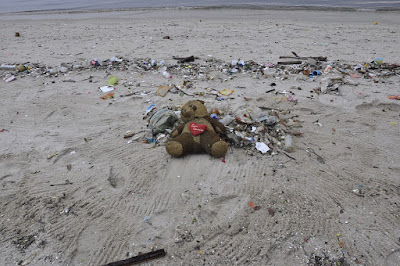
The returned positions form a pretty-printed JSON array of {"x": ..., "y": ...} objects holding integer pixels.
[{"x": 201, "y": 101}]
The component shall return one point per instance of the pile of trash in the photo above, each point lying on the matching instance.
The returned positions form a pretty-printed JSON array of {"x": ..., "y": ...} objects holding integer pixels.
[{"x": 267, "y": 130}]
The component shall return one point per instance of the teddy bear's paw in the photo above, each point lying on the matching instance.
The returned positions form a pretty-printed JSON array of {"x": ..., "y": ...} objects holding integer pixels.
[
  {"x": 219, "y": 149},
  {"x": 174, "y": 148}
]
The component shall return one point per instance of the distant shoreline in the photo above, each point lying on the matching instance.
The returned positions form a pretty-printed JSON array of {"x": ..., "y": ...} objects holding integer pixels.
[{"x": 243, "y": 6}]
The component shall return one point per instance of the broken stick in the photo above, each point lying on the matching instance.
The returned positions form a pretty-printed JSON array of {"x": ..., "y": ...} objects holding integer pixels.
[
  {"x": 318, "y": 58},
  {"x": 139, "y": 259},
  {"x": 290, "y": 62}
]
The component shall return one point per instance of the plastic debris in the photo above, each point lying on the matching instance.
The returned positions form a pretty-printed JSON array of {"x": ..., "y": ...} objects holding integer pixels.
[
  {"x": 262, "y": 147},
  {"x": 106, "y": 89},
  {"x": 21, "y": 68},
  {"x": 226, "y": 120},
  {"x": 327, "y": 69},
  {"x": 226, "y": 92},
  {"x": 162, "y": 120},
  {"x": 378, "y": 61},
  {"x": 163, "y": 90},
  {"x": 289, "y": 143},
  {"x": 333, "y": 83},
  {"x": 9, "y": 78},
  {"x": 268, "y": 120},
  {"x": 397, "y": 97},
  {"x": 112, "y": 80},
  {"x": 107, "y": 96},
  {"x": 95, "y": 62},
  {"x": 8, "y": 67}
]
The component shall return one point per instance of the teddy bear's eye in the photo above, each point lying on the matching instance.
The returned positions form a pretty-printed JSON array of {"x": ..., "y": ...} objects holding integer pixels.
[{"x": 193, "y": 107}]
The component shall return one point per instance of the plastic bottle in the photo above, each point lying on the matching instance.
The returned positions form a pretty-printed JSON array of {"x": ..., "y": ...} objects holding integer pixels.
[
  {"x": 149, "y": 135},
  {"x": 8, "y": 67},
  {"x": 226, "y": 120},
  {"x": 289, "y": 143}
]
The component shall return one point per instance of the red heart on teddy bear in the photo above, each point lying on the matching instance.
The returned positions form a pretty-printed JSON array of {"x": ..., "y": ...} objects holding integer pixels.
[{"x": 196, "y": 129}]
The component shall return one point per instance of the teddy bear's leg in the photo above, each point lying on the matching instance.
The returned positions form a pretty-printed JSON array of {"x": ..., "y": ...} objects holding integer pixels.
[
  {"x": 213, "y": 145},
  {"x": 219, "y": 149},
  {"x": 180, "y": 145}
]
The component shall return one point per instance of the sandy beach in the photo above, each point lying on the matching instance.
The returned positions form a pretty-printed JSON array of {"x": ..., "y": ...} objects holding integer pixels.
[{"x": 74, "y": 191}]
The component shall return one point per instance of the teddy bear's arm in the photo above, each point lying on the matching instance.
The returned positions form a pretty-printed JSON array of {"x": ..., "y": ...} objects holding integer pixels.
[
  {"x": 219, "y": 128},
  {"x": 177, "y": 130}
]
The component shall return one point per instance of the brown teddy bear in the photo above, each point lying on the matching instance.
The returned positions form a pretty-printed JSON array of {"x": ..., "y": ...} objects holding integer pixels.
[{"x": 199, "y": 133}]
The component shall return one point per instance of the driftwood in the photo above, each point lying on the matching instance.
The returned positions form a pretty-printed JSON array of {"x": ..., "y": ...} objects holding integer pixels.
[
  {"x": 139, "y": 259},
  {"x": 185, "y": 59},
  {"x": 318, "y": 58},
  {"x": 290, "y": 62}
]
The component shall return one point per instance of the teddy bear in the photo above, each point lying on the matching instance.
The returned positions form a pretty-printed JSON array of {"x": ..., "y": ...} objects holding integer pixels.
[{"x": 198, "y": 133}]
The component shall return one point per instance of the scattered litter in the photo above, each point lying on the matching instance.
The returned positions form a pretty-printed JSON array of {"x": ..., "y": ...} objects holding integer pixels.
[
  {"x": 9, "y": 78},
  {"x": 226, "y": 120},
  {"x": 113, "y": 80},
  {"x": 268, "y": 120},
  {"x": 8, "y": 67},
  {"x": 151, "y": 108},
  {"x": 317, "y": 123},
  {"x": 397, "y": 97},
  {"x": 262, "y": 147},
  {"x": 358, "y": 192},
  {"x": 146, "y": 219},
  {"x": 327, "y": 69},
  {"x": 162, "y": 120},
  {"x": 128, "y": 134},
  {"x": 315, "y": 73},
  {"x": 163, "y": 90},
  {"x": 289, "y": 144},
  {"x": 106, "y": 89},
  {"x": 21, "y": 68},
  {"x": 107, "y": 96},
  {"x": 331, "y": 83},
  {"x": 226, "y": 92},
  {"x": 378, "y": 61},
  {"x": 253, "y": 206},
  {"x": 95, "y": 62}
]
